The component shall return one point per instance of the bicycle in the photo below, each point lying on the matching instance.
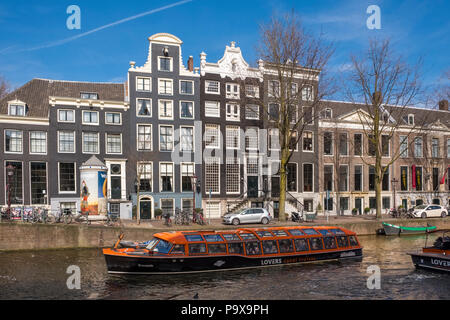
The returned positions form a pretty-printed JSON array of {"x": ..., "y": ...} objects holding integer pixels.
[
  {"x": 83, "y": 216},
  {"x": 65, "y": 216},
  {"x": 198, "y": 218},
  {"x": 167, "y": 220},
  {"x": 111, "y": 219}
]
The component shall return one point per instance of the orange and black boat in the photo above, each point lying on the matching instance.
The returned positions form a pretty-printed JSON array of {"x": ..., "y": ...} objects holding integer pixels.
[
  {"x": 201, "y": 251},
  {"x": 436, "y": 257}
]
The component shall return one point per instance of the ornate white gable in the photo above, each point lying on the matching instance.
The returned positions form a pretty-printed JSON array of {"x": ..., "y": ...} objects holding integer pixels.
[
  {"x": 231, "y": 65},
  {"x": 356, "y": 116}
]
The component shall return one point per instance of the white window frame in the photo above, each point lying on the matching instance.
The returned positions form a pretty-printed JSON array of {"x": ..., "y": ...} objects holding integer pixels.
[
  {"x": 173, "y": 176},
  {"x": 312, "y": 141},
  {"x": 232, "y": 94},
  {"x": 171, "y": 64},
  {"x": 347, "y": 177},
  {"x": 216, "y": 161},
  {"x": 5, "y": 175},
  {"x": 253, "y": 106},
  {"x": 303, "y": 176},
  {"x": 46, "y": 142},
  {"x": 143, "y": 89},
  {"x": 181, "y": 176},
  {"x": 112, "y": 123},
  {"x": 207, "y": 82},
  {"x": 144, "y": 163},
  {"x": 227, "y": 174},
  {"x": 159, "y": 137},
  {"x": 160, "y": 116},
  {"x": 216, "y": 115},
  {"x": 249, "y": 89},
  {"x": 82, "y": 143},
  {"x": 193, "y": 109},
  {"x": 59, "y": 179},
  {"x": 362, "y": 177},
  {"x": 216, "y": 127},
  {"x": 66, "y": 121},
  {"x": 160, "y": 80},
  {"x": 269, "y": 139},
  {"x": 193, "y": 87},
  {"x": 106, "y": 143},
  {"x": 415, "y": 150},
  {"x": 332, "y": 144},
  {"x": 448, "y": 148},
  {"x": 296, "y": 178},
  {"x": 233, "y": 116},
  {"x": 257, "y": 145},
  {"x": 149, "y": 109},
  {"x": 137, "y": 136},
  {"x": 74, "y": 141},
  {"x": 270, "y": 88},
  {"x": 304, "y": 94},
  {"x": 193, "y": 139},
  {"x": 4, "y": 141},
  {"x": 46, "y": 182},
  {"x": 90, "y": 123},
  {"x": 17, "y": 105},
  {"x": 233, "y": 129}
]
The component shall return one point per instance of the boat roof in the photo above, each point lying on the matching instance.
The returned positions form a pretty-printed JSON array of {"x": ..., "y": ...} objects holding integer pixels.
[{"x": 178, "y": 237}]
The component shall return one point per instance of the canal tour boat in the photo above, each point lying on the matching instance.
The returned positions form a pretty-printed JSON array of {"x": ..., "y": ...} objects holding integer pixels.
[
  {"x": 436, "y": 257},
  {"x": 203, "y": 251}
]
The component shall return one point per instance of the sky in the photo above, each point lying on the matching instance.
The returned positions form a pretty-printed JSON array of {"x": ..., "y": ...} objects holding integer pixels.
[{"x": 35, "y": 41}]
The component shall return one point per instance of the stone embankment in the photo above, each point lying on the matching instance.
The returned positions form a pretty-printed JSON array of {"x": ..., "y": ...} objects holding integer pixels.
[{"x": 22, "y": 236}]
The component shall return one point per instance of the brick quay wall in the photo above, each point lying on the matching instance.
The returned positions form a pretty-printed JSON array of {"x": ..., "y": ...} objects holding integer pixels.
[{"x": 22, "y": 236}]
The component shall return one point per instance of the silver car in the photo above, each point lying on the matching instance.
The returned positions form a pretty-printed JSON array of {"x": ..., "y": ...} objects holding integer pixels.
[
  {"x": 249, "y": 215},
  {"x": 428, "y": 211}
]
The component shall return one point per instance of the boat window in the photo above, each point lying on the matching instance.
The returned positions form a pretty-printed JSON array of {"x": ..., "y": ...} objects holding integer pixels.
[
  {"x": 342, "y": 241},
  {"x": 178, "y": 249},
  {"x": 163, "y": 246},
  {"x": 310, "y": 231},
  {"x": 330, "y": 242},
  {"x": 264, "y": 234},
  {"x": 197, "y": 248},
  {"x": 353, "y": 241},
  {"x": 301, "y": 245},
  {"x": 285, "y": 245},
  {"x": 316, "y": 243},
  {"x": 247, "y": 236},
  {"x": 337, "y": 231},
  {"x": 231, "y": 237},
  {"x": 217, "y": 248},
  {"x": 279, "y": 233},
  {"x": 152, "y": 243},
  {"x": 325, "y": 232},
  {"x": 213, "y": 237},
  {"x": 193, "y": 237},
  {"x": 296, "y": 232},
  {"x": 252, "y": 248},
  {"x": 235, "y": 248},
  {"x": 270, "y": 246}
]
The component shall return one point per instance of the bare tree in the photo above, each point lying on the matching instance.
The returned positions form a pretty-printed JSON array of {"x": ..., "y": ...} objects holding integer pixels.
[
  {"x": 4, "y": 87},
  {"x": 292, "y": 60},
  {"x": 385, "y": 86}
]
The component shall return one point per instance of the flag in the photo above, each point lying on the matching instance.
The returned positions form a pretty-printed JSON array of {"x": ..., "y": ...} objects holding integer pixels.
[
  {"x": 414, "y": 176},
  {"x": 443, "y": 178}
]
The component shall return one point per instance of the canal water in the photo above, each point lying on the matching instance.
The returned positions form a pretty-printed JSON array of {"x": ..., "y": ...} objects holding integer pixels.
[{"x": 42, "y": 275}]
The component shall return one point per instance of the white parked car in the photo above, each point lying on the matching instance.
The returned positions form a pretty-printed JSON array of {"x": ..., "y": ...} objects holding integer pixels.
[
  {"x": 250, "y": 215},
  {"x": 431, "y": 210}
]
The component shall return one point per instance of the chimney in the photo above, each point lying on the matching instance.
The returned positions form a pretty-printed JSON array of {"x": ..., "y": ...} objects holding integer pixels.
[
  {"x": 443, "y": 105},
  {"x": 191, "y": 64}
]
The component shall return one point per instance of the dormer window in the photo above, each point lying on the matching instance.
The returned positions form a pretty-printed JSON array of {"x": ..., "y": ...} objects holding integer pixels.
[
  {"x": 89, "y": 96},
  {"x": 327, "y": 113},
  {"x": 18, "y": 110},
  {"x": 411, "y": 119}
]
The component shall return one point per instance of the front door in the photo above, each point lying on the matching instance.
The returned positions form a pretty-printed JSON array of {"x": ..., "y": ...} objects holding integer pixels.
[
  {"x": 276, "y": 209},
  {"x": 405, "y": 204},
  {"x": 146, "y": 209},
  {"x": 252, "y": 184},
  {"x": 359, "y": 205}
]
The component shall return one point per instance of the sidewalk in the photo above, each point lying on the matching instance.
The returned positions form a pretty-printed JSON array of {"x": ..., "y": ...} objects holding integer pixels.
[{"x": 216, "y": 224}]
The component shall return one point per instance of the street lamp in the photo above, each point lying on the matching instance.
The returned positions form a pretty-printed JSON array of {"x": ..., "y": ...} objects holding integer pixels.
[
  {"x": 9, "y": 172},
  {"x": 394, "y": 183}
]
